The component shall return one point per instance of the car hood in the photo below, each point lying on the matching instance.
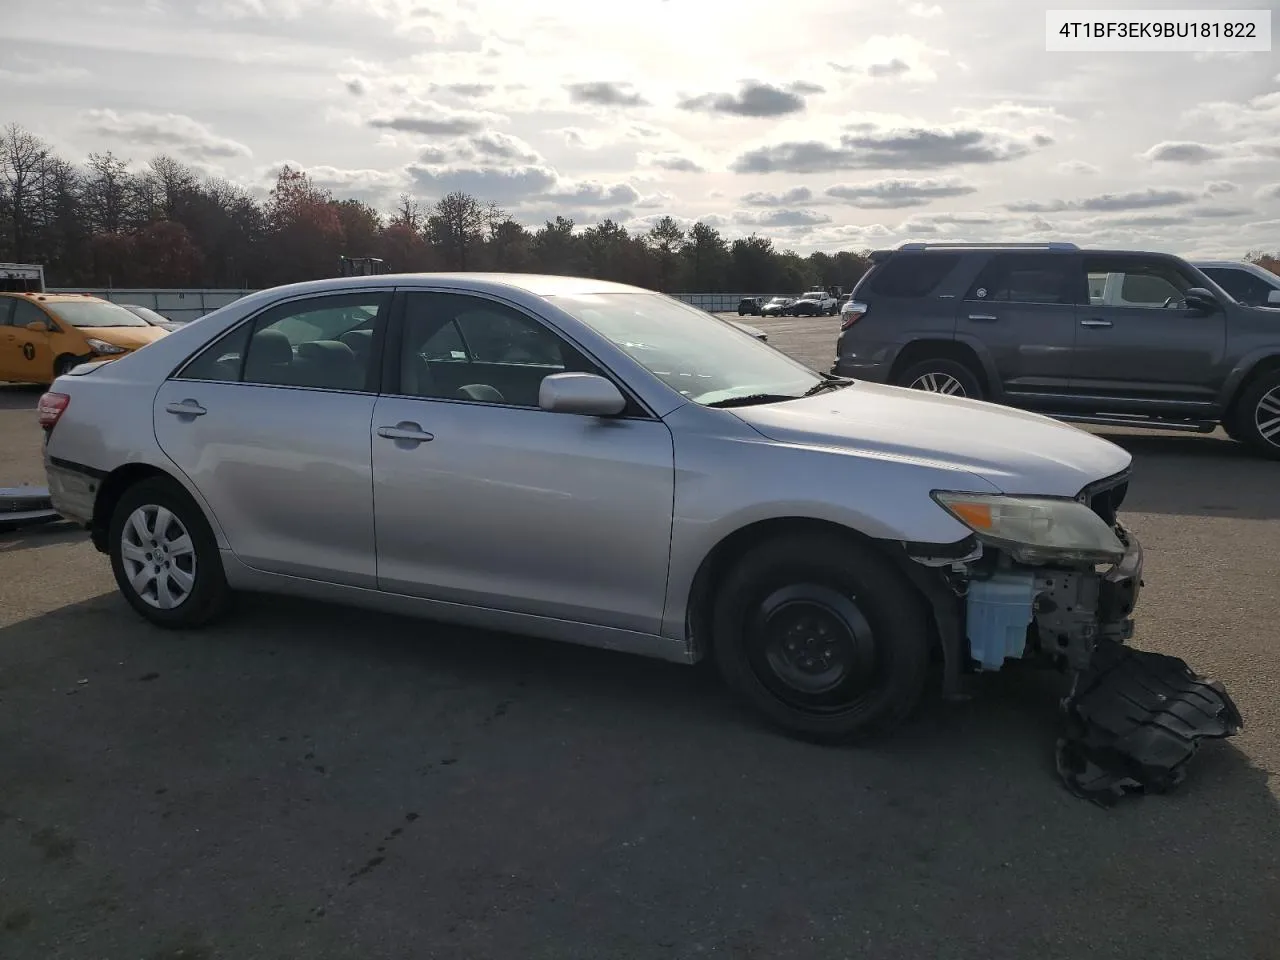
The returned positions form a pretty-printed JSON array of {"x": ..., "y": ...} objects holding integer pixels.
[
  {"x": 1016, "y": 451},
  {"x": 131, "y": 338}
]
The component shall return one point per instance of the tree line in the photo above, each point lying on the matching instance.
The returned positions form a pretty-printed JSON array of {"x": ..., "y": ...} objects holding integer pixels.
[{"x": 103, "y": 223}]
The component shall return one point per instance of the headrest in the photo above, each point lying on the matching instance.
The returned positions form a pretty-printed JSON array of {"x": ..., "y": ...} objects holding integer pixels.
[
  {"x": 270, "y": 347},
  {"x": 480, "y": 391},
  {"x": 329, "y": 350},
  {"x": 358, "y": 340}
]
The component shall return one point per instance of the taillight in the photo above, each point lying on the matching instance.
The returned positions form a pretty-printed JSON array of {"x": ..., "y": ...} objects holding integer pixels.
[
  {"x": 851, "y": 313},
  {"x": 50, "y": 408}
]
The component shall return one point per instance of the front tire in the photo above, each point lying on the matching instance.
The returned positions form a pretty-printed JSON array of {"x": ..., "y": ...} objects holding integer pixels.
[
  {"x": 64, "y": 365},
  {"x": 822, "y": 637},
  {"x": 164, "y": 556},
  {"x": 1258, "y": 416},
  {"x": 939, "y": 375}
]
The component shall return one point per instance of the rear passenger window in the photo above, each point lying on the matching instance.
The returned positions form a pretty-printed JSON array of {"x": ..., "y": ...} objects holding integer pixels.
[
  {"x": 1014, "y": 279},
  {"x": 911, "y": 275},
  {"x": 323, "y": 342}
]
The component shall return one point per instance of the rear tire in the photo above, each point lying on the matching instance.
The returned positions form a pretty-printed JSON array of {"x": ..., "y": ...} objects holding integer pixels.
[
  {"x": 164, "y": 556},
  {"x": 1257, "y": 419},
  {"x": 822, "y": 637},
  {"x": 940, "y": 375}
]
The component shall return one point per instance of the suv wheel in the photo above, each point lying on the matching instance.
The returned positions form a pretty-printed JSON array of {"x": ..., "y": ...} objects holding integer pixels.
[
  {"x": 822, "y": 637},
  {"x": 164, "y": 556},
  {"x": 949, "y": 377},
  {"x": 1258, "y": 416}
]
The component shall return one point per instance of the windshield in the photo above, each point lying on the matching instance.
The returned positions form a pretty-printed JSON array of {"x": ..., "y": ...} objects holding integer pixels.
[
  {"x": 694, "y": 353},
  {"x": 146, "y": 313},
  {"x": 95, "y": 313}
]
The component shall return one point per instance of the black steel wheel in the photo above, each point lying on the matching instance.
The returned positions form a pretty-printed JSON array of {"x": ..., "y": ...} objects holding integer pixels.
[{"x": 823, "y": 637}]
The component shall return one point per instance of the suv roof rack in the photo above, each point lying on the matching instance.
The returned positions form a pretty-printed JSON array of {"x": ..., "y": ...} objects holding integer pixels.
[{"x": 922, "y": 245}]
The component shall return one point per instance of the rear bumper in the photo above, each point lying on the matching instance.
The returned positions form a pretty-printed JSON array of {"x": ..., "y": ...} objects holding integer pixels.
[{"x": 73, "y": 489}]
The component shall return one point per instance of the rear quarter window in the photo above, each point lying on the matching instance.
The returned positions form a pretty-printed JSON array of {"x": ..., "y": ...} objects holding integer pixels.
[{"x": 909, "y": 276}]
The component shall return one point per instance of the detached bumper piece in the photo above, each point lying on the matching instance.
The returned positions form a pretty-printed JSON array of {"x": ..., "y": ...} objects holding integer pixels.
[
  {"x": 1134, "y": 719},
  {"x": 20, "y": 506}
]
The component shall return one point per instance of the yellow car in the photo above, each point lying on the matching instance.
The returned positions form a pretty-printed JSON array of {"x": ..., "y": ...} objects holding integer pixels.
[{"x": 43, "y": 335}]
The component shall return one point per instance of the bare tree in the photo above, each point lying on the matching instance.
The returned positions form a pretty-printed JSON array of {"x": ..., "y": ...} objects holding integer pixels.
[
  {"x": 109, "y": 193},
  {"x": 457, "y": 227},
  {"x": 22, "y": 164}
]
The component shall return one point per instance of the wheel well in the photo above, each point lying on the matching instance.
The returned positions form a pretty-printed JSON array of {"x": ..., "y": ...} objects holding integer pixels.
[
  {"x": 918, "y": 350},
  {"x": 717, "y": 564},
  {"x": 1261, "y": 369},
  {"x": 113, "y": 487}
]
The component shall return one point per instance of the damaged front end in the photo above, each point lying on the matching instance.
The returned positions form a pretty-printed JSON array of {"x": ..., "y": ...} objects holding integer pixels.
[{"x": 1057, "y": 580}]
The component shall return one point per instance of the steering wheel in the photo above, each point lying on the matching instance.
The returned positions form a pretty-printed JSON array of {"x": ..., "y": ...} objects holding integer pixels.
[{"x": 1171, "y": 301}]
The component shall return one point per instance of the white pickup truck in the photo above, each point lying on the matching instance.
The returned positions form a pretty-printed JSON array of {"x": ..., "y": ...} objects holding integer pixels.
[{"x": 815, "y": 303}]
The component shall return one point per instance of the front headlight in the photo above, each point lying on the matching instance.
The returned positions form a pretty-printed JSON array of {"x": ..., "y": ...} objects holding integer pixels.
[
  {"x": 102, "y": 347},
  {"x": 1035, "y": 530}
]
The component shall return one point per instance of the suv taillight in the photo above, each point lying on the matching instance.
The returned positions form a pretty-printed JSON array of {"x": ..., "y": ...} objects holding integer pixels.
[
  {"x": 851, "y": 313},
  {"x": 50, "y": 409}
]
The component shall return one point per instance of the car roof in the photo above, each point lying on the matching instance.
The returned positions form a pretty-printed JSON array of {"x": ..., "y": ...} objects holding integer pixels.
[
  {"x": 540, "y": 285},
  {"x": 54, "y": 297}
]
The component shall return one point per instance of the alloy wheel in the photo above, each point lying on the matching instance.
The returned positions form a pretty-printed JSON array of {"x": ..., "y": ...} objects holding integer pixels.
[
  {"x": 1266, "y": 416},
  {"x": 159, "y": 557},
  {"x": 938, "y": 383}
]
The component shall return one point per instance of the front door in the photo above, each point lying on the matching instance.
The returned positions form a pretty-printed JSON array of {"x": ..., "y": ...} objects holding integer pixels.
[
  {"x": 25, "y": 355},
  {"x": 1022, "y": 310},
  {"x": 1138, "y": 342},
  {"x": 483, "y": 498},
  {"x": 271, "y": 424}
]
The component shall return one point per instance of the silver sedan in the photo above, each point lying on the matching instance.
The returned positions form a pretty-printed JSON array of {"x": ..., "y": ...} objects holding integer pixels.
[{"x": 587, "y": 462}]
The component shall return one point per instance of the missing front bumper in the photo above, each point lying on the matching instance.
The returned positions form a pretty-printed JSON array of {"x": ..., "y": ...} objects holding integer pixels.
[{"x": 1134, "y": 719}]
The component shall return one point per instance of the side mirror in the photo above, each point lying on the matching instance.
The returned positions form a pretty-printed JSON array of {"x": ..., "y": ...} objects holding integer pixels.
[
  {"x": 38, "y": 326},
  {"x": 1273, "y": 298},
  {"x": 585, "y": 394},
  {"x": 1198, "y": 298}
]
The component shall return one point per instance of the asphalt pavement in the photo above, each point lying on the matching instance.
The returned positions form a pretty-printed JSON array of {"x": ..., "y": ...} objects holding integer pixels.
[{"x": 309, "y": 781}]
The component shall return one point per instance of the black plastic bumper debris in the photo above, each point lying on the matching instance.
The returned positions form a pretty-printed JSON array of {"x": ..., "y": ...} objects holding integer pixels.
[{"x": 1134, "y": 719}]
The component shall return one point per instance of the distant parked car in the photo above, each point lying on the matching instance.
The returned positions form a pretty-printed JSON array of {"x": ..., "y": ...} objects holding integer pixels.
[
  {"x": 777, "y": 307},
  {"x": 815, "y": 303},
  {"x": 1247, "y": 283},
  {"x": 750, "y": 306},
  {"x": 153, "y": 318}
]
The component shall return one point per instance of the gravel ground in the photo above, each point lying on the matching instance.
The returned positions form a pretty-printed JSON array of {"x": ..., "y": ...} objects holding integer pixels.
[{"x": 310, "y": 781}]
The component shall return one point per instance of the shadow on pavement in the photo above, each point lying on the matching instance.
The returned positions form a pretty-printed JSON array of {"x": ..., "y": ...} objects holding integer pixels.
[
  {"x": 1207, "y": 476},
  {"x": 20, "y": 396},
  {"x": 306, "y": 777}
]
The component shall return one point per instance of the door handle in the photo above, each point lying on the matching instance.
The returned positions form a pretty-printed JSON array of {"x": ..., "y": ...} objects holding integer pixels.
[
  {"x": 1095, "y": 323},
  {"x": 187, "y": 408},
  {"x": 983, "y": 317},
  {"x": 405, "y": 430}
]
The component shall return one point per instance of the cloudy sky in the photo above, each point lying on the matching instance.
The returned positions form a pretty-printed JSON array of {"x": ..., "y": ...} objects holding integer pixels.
[{"x": 825, "y": 124}]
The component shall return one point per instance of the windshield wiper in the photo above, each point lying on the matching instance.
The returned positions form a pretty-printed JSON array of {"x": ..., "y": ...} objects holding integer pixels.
[
  {"x": 751, "y": 399},
  {"x": 831, "y": 383}
]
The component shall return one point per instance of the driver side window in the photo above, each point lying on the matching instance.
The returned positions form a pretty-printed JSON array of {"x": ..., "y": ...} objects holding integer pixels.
[
  {"x": 1149, "y": 284},
  {"x": 463, "y": 347}
]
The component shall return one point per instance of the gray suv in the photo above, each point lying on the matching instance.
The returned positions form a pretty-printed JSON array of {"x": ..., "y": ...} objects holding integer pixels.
[{"x": 1093, "y": 336}]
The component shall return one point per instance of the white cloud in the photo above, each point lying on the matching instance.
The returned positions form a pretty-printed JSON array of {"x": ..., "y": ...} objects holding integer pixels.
[
  {"x": 163, "y": 132},
  {"x": 576, "y": 108}
]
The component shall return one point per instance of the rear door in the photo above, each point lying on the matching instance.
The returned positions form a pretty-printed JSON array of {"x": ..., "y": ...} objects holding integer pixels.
[
  {"x": 1022, "y": 309},
  {"x": 27, "y": 354},
  {"x": 271, "y": 424},
  {"x": 1141, "y": 344}
]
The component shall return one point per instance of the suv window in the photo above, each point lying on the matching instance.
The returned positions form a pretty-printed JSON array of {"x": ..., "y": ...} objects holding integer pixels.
[
  {"x": 911, "y": 275},
  {"x": 321, "y": 342},
  {"x": 1243, "y": 286},
  {"x": 1023, "y": 279},
  {"x": 462, "y": 347},
  {"x": 1153, "y": 284}
]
